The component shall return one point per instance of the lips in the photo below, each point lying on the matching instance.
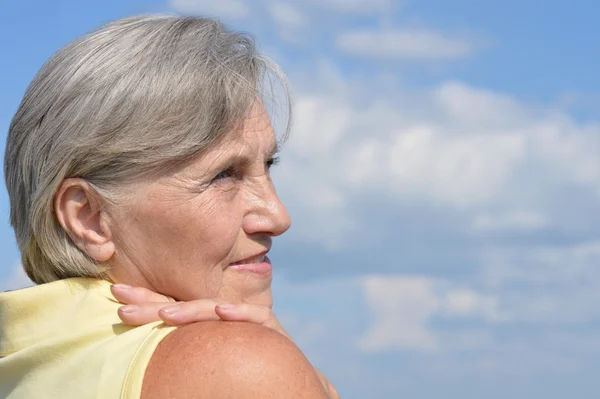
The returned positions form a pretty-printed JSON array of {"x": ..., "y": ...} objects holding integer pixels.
[
  {"x": 258, "y": 265},
  {"x": 253, "y": 260}
]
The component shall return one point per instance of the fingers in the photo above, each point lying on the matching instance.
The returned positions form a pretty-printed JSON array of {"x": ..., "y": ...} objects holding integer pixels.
[
  {"x": 137, "y": 295},
  {"x": 189, "y": 312},
  {"x": 177, "y": 314},
  {"x": 250, "y": 313},
  {"x": 144, "y": 306},
  {"x": 244, "y": 312},
  {"x": 138, "y": 315}
]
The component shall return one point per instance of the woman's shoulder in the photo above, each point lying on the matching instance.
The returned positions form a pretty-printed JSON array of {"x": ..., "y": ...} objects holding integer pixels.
[
  {"x": 66, "y": 337},
  {"x": 229, "y": 359}
]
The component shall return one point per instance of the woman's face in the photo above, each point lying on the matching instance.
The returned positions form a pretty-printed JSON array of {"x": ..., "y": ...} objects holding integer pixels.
[{"x": 203, "y": 231}]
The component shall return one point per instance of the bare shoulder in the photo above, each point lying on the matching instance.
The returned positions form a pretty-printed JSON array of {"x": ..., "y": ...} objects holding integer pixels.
[{"x": 229, "y": 360}]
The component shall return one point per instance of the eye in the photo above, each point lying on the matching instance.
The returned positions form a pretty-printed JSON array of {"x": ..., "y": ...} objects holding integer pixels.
[
  {"x": 225, "y": 174},
  {"x": 272, "y": 161}
]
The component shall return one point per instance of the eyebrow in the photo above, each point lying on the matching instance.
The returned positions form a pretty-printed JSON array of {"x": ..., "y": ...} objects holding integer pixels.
[{"x": 244, "y": 158}]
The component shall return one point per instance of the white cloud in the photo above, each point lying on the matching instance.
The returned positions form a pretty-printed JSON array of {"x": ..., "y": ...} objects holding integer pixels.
[
  {"x": 516, "y": 220},
  {"x": 459, "y": 169},
  {"x": 554, "y": 266},
  {"x": 497, "y": 161},
  {"x": 401, "y": 44},
  {"x": 231, "y": 9},
  {"x": 476, "y": 108},
  {"x": 558, "y": 287},
  {"x": 425, "y": 316},
  {"x": 316, "y": 131},
  {"x": 312, "y": 202},
  {"x": 306, "y": 179},
  {"x": 404, "y": 306},
  {"x": 468, "y": 303},
  {"x": 545, "y": 285},
  {"x": 308, "y": 22},
  {"x": 350, "y": 147},
  {"x": 401, "y": 307},
  {"x": 569, "y": 150},
  {"x": 287, "y": 15},
  {"x": 356, "y": 6},
  {"x": 467, "y": 340}
]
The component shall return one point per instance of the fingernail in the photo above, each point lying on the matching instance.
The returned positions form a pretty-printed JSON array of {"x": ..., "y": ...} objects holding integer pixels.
[
  {"x": 129, "y": 309},
  {"x": 226, "y": 306},
  {"x": 171, "y": 310},
  {"x": 122, "y": 287}
]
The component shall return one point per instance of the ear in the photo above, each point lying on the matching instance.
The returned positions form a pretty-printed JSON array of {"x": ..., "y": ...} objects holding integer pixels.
[{"x": 79, "y": 211}]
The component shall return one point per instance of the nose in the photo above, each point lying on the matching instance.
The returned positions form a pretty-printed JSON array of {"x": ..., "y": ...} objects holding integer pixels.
[{"x": 266, "y": 214}]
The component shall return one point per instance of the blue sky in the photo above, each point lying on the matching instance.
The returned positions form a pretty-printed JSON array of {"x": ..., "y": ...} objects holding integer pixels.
[{"x": 443, "y": 177}]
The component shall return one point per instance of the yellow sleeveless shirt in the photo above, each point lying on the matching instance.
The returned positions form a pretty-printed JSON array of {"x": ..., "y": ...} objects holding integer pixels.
[{"x": 64, "y": 340}]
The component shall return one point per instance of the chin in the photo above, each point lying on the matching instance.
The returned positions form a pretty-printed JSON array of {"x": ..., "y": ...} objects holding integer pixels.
[
  {"x": 263, "y": 300},
  {"x": 261, "y": 297},
  {"x": 246, "y": 287}
]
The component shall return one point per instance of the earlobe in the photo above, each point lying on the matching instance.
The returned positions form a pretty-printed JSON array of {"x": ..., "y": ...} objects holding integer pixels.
[
  {"x": 100, "y": 252},
  {"x": 79, "y": 211}
]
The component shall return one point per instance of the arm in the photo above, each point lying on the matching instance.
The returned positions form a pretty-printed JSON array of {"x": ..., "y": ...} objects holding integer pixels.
[
  {"x": 213, "y": 360},
  {"x": 150, "y": 306}
]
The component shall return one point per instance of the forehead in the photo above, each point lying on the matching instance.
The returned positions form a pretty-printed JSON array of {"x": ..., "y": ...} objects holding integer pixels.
[
  {"x": 251, "y": 139},
  {"x": 254, "y": 133},
  {"x": 257, "y": 119}
]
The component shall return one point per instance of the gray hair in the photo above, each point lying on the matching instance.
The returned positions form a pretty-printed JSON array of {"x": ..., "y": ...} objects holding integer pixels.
[{"x": 130, "y": 100}]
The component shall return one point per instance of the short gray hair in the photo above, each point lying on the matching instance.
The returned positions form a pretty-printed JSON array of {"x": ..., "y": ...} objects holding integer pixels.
[{"x": 133, "y": 98}]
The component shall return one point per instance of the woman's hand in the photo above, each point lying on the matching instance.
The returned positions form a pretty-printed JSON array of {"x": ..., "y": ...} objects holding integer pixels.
[{"x": 143, "y": 306}]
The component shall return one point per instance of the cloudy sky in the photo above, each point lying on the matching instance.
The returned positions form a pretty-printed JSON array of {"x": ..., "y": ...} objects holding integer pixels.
[{"x": 443, "y": 177}]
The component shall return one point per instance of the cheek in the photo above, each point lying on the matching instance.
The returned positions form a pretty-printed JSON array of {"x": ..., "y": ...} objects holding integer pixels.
[
  {"x": 203, "y": 229},
  {"x": 219, "y": 229},
  {"x": 207, "y": 240}
]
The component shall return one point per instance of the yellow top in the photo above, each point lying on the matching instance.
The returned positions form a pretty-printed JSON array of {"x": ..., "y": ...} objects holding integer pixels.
[{"x": 64, "y": 340}]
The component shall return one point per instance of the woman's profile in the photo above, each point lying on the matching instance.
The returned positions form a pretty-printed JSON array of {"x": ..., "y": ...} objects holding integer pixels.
[{"x": 137, "y": 167}]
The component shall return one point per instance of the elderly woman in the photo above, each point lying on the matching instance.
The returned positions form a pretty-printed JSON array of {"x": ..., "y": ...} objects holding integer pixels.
[{"x": 137, "y": 167}]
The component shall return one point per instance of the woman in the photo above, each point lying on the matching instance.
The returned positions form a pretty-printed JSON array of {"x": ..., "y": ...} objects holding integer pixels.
[{"x": 140, "y": 156}]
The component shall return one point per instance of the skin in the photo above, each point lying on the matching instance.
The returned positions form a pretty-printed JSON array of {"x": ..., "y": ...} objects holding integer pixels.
[
  {"x": 208, "y": 217},
  {"x": 145, "y": 306},
  {"x": 238, "y": 360},
  {"x": 217, "y": 211}
]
